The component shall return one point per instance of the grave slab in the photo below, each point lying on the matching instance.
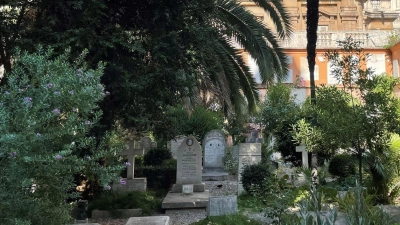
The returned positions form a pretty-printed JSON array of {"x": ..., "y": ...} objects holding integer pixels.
[
  {"x": 149, "y": 220},
  {"x": 124, "y": 213},
  {"x": 222, "y": 205},
  {"x": 214, "y": 175},
  {"x": 133, "y": 184},
  {"x": 182, "y": 201}
]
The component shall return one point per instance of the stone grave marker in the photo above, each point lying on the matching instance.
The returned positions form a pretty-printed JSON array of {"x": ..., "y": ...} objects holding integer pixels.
[
  {"x": 249, "y": 153},
  {"x": 304, "y": 155},
  {"x": 175, "y": 143},
  {"x": 222, "y": 205},
  {"x": 254, "y": 138},
  {"x": 189, "y": 168},
  {"x": 147, "y": 144},
  {"x": 235, "y": 152},
  {"x": 214, "y": 149},
  {"x": 187, "y": 189},
  {"x": 132, "y": 184}
]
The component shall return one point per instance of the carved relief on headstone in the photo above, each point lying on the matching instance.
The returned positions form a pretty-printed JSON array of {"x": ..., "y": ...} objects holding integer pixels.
[{"x": 214, "y": 149}]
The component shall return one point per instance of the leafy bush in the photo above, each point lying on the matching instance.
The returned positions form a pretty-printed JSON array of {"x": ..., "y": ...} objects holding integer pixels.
[
  {"x": 155, "y": 157},
  {"x": 46, "y": 110},
  {"x": 253, "y": 176},
  {"x": 342, "y": 165},
  {"x": 109, "y": 200},
  {"x": 158, "y": 177},
  {"x": 230, "y": 164}
]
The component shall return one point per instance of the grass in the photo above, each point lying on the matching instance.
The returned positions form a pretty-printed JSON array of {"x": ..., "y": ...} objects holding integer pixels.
[{"x": 227, "y": 220}]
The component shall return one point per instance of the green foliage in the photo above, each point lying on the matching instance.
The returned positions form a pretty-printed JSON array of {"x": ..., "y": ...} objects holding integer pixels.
[
  {"x": 155, "y": 157},
  {"x": 342, "y": 165},
  {"x": 158, "y": 177},
  {"x": 279, "y": 112},
  {"x": 47, "y": 109},
  {"x": 386, "y": 185},
  {"x": 231, "y": 165},
  {"x": 314, "y": 204},
  {"x": 253, "y": 177},
  {"x": 109, "y": 200},
  {"x": 361, "y": 212},
  {"x": 197, "y": 123},
  {"x": 227, "y": 220}
]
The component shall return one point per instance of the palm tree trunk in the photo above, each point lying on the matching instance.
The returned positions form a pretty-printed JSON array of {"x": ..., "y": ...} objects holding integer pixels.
[{"x": 312, "y": 25}]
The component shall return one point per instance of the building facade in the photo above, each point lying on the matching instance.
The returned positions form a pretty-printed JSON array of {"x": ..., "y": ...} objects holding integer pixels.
[{"x": 373, "y": 22}]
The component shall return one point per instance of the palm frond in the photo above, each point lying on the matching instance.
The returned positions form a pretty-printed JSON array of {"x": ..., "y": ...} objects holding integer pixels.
[
  {"x": 279, "y": 16},
  {"x": 255, "y": 38}
]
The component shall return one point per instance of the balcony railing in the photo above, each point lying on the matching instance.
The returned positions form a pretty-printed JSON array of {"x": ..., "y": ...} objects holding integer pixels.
[{"x": 328, "y": 40}]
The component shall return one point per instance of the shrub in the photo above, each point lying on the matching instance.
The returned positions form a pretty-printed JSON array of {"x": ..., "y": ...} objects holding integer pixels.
[
  {"x": 109, "y": 200},
  {"x": 46, "y": 110},
  {"x": 158, "y": 177},
  {"x": 230, "y": 164},
  {"x": 156, "y": 156},
  {"x": 342, "y": 165},
  {"x": 253, "y": 176},
  {"x": 139, "y": 160}
]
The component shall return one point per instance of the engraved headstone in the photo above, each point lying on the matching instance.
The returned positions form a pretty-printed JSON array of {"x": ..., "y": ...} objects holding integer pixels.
[
  {"x": 147, "y": 144},
  {"x": 175, "y": 143},
  {"x": 249, "y": 153},
  {"x": 214, "y": 149},
  {"x": 189, "y": 168}
]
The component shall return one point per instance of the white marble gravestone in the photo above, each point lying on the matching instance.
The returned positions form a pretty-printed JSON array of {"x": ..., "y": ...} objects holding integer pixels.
[
  {"x": 214, "y": 149},
  {"x": 304, "y": 155},
  {"x": 249, "y": 153},
  {"x": 132, "y": 184},
  {"x": 189, "y": 168},
  {"x": 175, "y": 143}
]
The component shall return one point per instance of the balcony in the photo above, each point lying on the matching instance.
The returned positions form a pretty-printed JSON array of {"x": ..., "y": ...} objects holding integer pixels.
[{"x": 374, "y": 39}]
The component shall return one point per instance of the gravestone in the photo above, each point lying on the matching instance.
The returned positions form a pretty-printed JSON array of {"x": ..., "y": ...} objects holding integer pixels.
[
  {"x": 254, "y": 138},
  {"x": 214, "y": 149},
  {"x": 249, "y": 153},
  {"x": 304, "y": 155},
  {"x": 189, "y": 168},
  {"x": 147, "y": 144},
  {"x": 132, "y": 184},
  {"x": 175, "y": 143},
  {"x": 222, "y": 205},
  {"x": 235, "y": 152}
]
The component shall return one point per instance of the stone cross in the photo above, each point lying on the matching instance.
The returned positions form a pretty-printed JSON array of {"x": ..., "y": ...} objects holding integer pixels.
[
  {"x": 131, "y": 152},
  {"x": 304, "y": 155}
]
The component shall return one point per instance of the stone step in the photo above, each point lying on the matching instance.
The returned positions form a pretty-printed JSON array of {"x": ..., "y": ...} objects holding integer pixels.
[{"x": 149, "y": 220}]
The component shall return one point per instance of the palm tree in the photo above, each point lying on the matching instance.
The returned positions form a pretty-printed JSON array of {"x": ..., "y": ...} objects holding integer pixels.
[{"x": 233, "y": 84}]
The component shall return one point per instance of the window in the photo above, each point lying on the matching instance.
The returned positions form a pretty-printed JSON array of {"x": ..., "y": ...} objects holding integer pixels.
[{"x": 322, "y": 29}]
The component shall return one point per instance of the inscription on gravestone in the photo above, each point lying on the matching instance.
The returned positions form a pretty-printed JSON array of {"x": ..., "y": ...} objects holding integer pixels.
[{"x": 189, "y": 168}]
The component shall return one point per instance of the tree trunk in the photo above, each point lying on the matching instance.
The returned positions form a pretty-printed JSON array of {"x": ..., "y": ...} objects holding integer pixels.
[{"x": 312, "y": 25}]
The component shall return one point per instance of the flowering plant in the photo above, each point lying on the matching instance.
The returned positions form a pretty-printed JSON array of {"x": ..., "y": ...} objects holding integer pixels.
[{"x": 44, "y": 137}]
